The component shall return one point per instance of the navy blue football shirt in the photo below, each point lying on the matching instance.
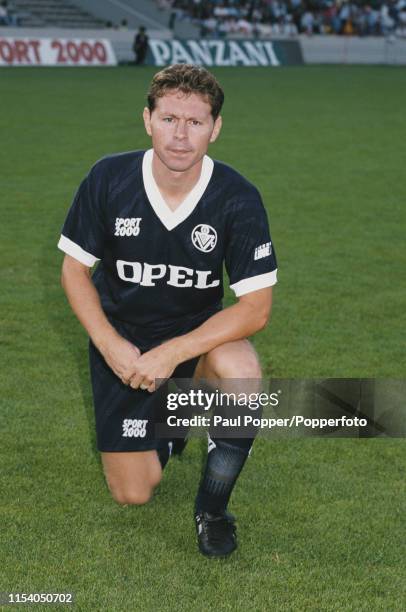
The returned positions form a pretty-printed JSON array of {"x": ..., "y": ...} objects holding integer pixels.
[{"x": 161, "y": 271}]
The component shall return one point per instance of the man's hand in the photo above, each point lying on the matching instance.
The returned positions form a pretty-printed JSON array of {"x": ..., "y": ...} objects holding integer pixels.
[
  {"x": 122, "y": 357},
  {"x": 159, "y": 362}
]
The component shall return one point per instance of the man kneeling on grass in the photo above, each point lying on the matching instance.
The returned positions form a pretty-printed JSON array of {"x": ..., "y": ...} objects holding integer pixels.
[{"x": 161, "y": 223}]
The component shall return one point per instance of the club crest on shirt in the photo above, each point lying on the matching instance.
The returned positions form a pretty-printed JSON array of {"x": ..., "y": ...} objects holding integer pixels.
[{"x": 204, "y": 237}]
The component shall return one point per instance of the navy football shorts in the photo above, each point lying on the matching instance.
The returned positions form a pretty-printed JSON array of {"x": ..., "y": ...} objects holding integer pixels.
[{"x": 126, "y": 418}]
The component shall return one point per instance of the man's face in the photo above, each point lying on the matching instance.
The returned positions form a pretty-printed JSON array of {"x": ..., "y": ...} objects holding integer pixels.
[{"x": 181, "y": 127}]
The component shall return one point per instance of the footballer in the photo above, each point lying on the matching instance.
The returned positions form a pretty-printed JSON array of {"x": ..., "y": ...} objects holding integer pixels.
[{"x": 161, "y": 223}]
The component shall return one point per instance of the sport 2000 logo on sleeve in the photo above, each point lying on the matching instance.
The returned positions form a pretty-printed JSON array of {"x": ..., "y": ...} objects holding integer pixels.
[{"x": 56, "y": 52}]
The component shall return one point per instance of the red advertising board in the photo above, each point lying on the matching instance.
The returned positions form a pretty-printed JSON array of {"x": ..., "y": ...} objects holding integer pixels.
[{"x": 56, "y": 52}]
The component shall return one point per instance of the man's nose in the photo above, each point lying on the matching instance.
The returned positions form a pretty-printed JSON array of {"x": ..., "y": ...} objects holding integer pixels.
[{"x": 181, "y": 129}]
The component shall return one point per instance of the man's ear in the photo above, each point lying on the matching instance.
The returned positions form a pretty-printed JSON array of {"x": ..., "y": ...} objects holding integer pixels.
[
  {"x": 146, "y": 115},
  {"x": 216, "y": 129}
]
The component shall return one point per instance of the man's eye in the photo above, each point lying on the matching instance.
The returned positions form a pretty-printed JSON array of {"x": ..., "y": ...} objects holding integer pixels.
[
  {"x": 168, "y": 119},
  {"x": 195, "y": 122}
]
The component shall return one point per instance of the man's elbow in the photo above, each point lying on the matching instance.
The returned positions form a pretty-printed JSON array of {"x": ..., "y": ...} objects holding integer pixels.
[
  {"x": 259, "y": 306},
  {"x": 263, "y": 320},
  {"x": 260, "y": 318}
]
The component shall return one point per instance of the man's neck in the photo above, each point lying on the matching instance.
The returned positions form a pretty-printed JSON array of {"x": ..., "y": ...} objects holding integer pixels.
[{"x": 174, "y": 186}]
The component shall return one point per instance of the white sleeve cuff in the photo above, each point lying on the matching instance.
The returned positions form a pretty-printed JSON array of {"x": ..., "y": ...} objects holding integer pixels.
[
  {"x": 254, "y": 283},
  {"x": 75, "y": 251}
]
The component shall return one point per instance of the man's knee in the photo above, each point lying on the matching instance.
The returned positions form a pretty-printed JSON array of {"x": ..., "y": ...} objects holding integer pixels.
[
  {"x": 131, "y": 497},
  {"x": 226, "y": 363},
  {"x": 132, "y": 477},
  {"x": 133, "y": 493}
]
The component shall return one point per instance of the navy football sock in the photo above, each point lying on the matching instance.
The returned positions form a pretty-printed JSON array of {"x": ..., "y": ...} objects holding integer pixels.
[
  {"x": 164, "y": 453},
  {"x": 225, "y": 461}
]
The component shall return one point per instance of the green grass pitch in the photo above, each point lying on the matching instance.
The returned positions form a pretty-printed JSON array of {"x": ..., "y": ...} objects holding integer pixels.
[{"x": 321, "y": 522}]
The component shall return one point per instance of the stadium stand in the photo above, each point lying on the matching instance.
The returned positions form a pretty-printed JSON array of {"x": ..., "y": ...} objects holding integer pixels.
[
  {"x": 95, "y": 14},
  {"x": 214, "y": 18},
  {"x": 136, "y": 13},
  {"x": 263, "y": 18},
  {"x": 54, "y": 13},
  {"x": 140, "y": 12}
]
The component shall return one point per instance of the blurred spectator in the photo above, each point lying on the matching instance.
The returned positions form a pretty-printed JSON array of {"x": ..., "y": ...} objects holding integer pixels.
[
  {"x": 140, "y": 46},
  {"x": 8, "y": 15},
  {"x": 177, "y": 13},
  {"x": 208, "y": 26},
  {"x": 387, "y": 22},
  {"x": 307, "y": 23},
  {"x": 164, "y": 4},
  {"x": 244, "y": 26},
  {"x": 4, "y": 19}
]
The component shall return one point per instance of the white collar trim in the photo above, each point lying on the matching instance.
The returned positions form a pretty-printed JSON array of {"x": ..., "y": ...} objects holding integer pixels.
[{"x": 172, "y": 218}]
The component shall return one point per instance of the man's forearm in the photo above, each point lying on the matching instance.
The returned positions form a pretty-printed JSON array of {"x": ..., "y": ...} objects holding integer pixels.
[
  {"x": 85, "y": 303},
  {"x": 233, "y": 323},
  {"x": 120, "y": 354}
]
